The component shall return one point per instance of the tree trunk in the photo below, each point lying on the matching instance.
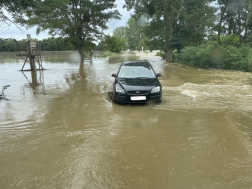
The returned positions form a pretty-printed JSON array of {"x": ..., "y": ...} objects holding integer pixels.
[
  {"x": 171, "y": 16},
  {"x": 229, "y": 26},
  {"x": 81, "y": 53},
  {"x": 246, "y": 26},
  {"x": 239, "y": 22},
  {"x": 168, "y": 20},
  {"x": 169, "y": 54},
  {"x": 220, "y": 23},
  {"x": 81, "y": 69}
]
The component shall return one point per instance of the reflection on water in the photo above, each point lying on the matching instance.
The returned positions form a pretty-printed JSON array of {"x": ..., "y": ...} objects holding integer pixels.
[{"x": 60, "y": 130}]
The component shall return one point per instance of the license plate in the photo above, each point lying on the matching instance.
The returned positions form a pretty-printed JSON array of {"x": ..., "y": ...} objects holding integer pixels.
[{"x": 138, "y": 97}]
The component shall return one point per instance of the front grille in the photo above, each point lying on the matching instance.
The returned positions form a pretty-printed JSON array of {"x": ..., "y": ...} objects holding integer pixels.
[{"x": 138, "y": 92}]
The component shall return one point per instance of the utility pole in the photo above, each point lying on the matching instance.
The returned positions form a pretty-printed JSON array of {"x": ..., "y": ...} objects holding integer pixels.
[{"x": 31, "y": 56}]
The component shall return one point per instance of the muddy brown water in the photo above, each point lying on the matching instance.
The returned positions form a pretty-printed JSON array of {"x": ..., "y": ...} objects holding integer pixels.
[{"x": 61, "y": 130}]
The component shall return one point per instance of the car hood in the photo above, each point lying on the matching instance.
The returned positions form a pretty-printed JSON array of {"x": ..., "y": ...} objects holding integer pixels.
[{"x": 131, "y": 84}]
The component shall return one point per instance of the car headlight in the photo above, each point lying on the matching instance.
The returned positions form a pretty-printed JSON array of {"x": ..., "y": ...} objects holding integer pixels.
[
  {"x": 119, "y": 90},
  {"x": 155, "y": 90}
]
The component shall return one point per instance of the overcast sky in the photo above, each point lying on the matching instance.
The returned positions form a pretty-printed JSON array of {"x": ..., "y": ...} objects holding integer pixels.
[{"x": 14, "y": 32}]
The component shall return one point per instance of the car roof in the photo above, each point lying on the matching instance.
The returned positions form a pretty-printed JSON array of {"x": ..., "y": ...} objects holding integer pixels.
[{"x": 136, "y": 63}]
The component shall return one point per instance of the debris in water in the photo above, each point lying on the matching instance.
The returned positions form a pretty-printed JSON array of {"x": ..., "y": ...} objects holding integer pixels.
[{"x": 2, "y": 94}]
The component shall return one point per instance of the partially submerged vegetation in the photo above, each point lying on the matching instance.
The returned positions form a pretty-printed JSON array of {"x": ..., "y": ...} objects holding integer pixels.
[
  {"x": 106, "y": 54},
  {"x": 2, "y": 96},
  {"x": 229, "y": 54},
  {"x": 162, "y": 55}
]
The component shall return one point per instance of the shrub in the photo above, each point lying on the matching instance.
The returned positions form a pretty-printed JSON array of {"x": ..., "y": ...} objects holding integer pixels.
[
  {"x": 162, "y": 55},
  {"x": 230, "y": 40},
  {"x": 114, "y": 43},
  {"x": 106, "y": 54},
  {"x": 213, "y": 55}
]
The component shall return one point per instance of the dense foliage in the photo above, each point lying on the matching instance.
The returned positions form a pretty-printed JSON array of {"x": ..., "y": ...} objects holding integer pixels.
[
  {"x": 143, "y": 44},
  {"x": 101, "y": 46},
  {"x": 229, "y": 54},
  {"x": 81, "y": 21},
  {"x": 114, "y": 43},
  {"x": 11, "y": 11},
  {"x": 133, "y": 33},
  {"x": 7, "y": 45},
  {"x": 174, "y": 23},
  {"x": 234, "y": 17},
  {"x": 121, "y": 32},
  {"x": 49, "y": 44}
]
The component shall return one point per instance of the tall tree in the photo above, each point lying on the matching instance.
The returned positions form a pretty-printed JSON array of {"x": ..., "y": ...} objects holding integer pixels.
[
  {"x": 114, "y": 43},
  {"x": 248, "y": 19},
  {"x": 120, "y": 32},
  {"x": 166, "y": 18},
  {"x": 133, "y": 33},
  {"x": 81, "y": 21},
  {"x": 234, "y": 18}
]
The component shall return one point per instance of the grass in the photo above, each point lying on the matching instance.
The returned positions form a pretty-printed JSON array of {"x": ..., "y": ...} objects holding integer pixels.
[{"x": 106, "y": 54}]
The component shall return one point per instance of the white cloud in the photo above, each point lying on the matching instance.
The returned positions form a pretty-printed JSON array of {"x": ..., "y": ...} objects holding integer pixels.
[{"x": 117, "y": 23}]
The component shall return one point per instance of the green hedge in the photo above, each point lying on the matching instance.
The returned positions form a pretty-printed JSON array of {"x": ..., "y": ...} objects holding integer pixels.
[{"x": 229, "y": 55}]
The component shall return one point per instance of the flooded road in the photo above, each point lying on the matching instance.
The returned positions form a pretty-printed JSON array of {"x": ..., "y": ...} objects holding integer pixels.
[{"x": 62, "y": 131}]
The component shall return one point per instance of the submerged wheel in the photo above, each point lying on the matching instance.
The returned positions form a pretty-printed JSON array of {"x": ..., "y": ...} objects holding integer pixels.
[{"x": 160, "y": 100}]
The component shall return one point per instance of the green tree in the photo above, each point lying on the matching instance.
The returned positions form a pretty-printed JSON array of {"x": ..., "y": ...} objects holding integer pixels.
[
  {"x": 173, "y": 20},
  {"x": 234, "y": 17},
  {"x": 120, "y": 32},
  {"x": 11, "y": 11},
  {"x": 114, "y": 43},
  {"x": 143, "y": 44},
  {"x": 133, "y": 33},
  {"x": 81, "y": 21},
  {"x": 55, "y": 44},
  {"x": 7, "y": 45},
  {"x": 101, "y": 46}
]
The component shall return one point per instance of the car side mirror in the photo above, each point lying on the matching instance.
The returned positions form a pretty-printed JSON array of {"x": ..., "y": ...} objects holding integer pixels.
[
  {"x": 158, "y": 74},
  {"x": 114, "y": 75}
]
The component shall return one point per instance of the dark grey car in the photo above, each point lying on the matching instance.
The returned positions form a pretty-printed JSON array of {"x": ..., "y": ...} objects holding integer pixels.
[{"x": 136, "y": 82}]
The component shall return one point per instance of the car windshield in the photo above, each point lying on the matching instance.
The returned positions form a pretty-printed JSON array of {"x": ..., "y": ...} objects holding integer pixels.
[{"x": 136, "y": 71}]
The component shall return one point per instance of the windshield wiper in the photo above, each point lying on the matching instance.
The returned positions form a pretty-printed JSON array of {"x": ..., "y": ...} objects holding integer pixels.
[{"x": 145, "y": 77}]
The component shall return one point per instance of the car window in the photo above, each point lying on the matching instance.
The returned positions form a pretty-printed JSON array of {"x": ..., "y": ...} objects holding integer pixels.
[{"x": 136, "y": 71}]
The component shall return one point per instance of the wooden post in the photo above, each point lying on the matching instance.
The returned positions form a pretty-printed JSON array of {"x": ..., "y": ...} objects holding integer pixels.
[{"x": 31, "y": 56}]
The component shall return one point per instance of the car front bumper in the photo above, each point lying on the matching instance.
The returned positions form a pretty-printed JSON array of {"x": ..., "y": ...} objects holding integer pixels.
[{"x": 126, "y": 99}]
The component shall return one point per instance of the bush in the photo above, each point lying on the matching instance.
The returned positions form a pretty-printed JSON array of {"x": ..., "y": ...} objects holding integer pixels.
[
  {"x": 212, "y": 55},
  {"x": 230, "y": 40},
  {"x": 114, "y": 43},
  {"x": 162, "y": 55},
  {"x": 106, "y": 54}
]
